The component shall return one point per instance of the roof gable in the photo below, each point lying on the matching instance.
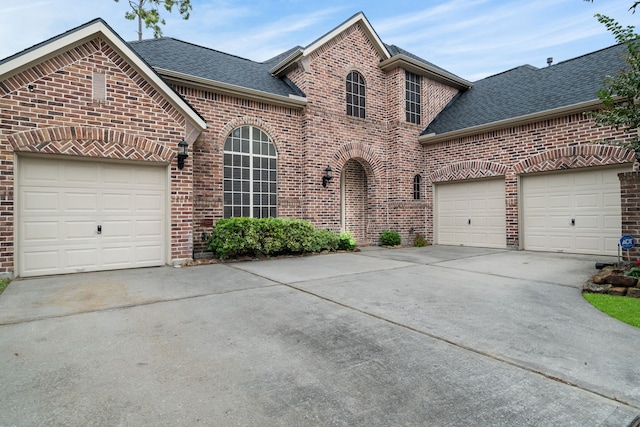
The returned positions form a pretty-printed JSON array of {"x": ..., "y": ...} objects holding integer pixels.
[
  {"x": 281, "y": 68},
  {"x": 26, "y": 59}
]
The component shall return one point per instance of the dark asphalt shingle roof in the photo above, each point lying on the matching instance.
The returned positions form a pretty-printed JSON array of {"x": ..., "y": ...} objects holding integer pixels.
[
  {"x": 527, "y": 90},
  {"x": 187, "y": 58},
  {"x": 395, "y": 50}
]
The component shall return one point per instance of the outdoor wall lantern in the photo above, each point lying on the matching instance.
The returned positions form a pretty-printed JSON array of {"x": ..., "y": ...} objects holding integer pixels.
[
  {"x": 183, "y": 153},
  {"x": 327, "y": 176}
]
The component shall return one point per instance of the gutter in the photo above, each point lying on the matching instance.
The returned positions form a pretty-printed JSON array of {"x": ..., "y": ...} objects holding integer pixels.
[
  {"x": 291, "y": 101},
  {"x": 433, "y": 138}
]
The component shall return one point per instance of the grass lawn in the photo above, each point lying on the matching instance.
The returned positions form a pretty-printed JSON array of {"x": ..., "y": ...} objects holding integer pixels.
[
  {"x": 3, "y": 284},
  {"x": 621, "y": 308}
]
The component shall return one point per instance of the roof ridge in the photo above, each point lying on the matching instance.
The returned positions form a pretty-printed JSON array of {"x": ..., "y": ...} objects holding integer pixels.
[
  {"x": 194, "y": 45},
  {"x": 584, "y": 55}
]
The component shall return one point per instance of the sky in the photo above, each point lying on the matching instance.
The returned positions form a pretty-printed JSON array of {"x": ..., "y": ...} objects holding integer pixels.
[{"x": 469, "y": 38}]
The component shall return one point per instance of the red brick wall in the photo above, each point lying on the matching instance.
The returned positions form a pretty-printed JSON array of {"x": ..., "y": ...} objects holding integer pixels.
[
  {"x": 49, "y": 109},
  {"x": 630, "y": 203}
]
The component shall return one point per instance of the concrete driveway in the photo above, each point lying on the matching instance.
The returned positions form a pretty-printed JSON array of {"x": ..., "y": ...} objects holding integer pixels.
[{"x": 435, "y": 336}]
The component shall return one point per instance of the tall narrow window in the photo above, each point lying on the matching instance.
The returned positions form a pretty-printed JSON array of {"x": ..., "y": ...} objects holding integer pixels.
[
  {"x": 416, "y": 187},
  {"x": 413, "y": 97},
  {"x": 250, "y": 174},
  {"x": 355, "y": 95}
]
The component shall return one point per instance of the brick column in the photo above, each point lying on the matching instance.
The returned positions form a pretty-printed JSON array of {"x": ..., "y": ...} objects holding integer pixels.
[{"x": 630, "y": 207}]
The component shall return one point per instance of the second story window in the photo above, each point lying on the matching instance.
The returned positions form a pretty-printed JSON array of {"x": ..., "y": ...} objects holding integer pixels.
[
  {"x": 413, "y": 89},
  {"x": 355, "y": 95}
]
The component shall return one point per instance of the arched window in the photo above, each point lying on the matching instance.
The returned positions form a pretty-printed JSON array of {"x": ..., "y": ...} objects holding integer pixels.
[
  {"x": 355, "y": 95},
  {"x": 250, "y": 174},
  {"x": 417, "y": 180}
]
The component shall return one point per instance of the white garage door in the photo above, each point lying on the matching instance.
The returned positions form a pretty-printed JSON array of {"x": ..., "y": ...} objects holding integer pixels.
[
  {"x": 575, "y": 212},
  {"x": 77, "y": 216},
  {"x": 471, "y": 214}
]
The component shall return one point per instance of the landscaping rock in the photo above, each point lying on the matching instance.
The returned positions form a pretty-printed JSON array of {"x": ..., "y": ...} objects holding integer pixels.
[
  {"x": 595, "y": 288},
  {"x": 618, "y": 291},
  {"x": 633, "y": 292},
  {"x": 621, "y": 280}
]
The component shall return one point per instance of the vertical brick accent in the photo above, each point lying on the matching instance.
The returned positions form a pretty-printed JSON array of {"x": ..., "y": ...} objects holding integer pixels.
[{"x": 630, "y": 208}]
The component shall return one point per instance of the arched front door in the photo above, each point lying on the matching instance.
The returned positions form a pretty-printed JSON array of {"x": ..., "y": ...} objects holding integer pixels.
[{"x": 355, "y": 199}]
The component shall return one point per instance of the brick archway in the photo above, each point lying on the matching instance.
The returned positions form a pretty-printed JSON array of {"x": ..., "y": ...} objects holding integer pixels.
[
  {"x": 579, "y": 156},
  {"x": 469, "y": 169},
  {"x": 90, "y": 142},
  {"x": 359, "y": 169}
]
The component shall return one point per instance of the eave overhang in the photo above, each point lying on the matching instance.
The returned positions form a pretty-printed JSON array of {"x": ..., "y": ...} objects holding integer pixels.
[
  {"x": 291, "y": 101},
  {"x": 433, "y": 138},
  {"x": 420, "y": 68}
]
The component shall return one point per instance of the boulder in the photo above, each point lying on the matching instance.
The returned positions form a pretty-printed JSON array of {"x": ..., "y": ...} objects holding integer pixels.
[
  {"x": 633, "y": 292},
  {"x": 622, "y": 280},
  {"x": 618, "y": 291},
  {"x": 595, "y": 288}
]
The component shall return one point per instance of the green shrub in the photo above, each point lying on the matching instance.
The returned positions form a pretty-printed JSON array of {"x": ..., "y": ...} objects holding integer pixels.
[
  {"x": 390, "y": 238},
  {"x": 420, "y": 240},
  {"x": 346, "y": 242},
  {"x": 325, "y": 240},
  {"x": 633, "y": 272},
  {"x": 236, "y": 237}
]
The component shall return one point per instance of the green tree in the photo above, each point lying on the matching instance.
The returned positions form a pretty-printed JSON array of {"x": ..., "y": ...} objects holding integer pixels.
[
  {"x": 621, "y": 95},
  {"x": 150, "y": 15}
]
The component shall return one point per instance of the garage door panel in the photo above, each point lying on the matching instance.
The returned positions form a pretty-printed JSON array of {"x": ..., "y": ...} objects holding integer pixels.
[
  {"x": 117, "y": 256},
  {"x": 62, "y": 202},
  {"x": 117, "y": 176},
  {"x": 588, "y": 223},
  {"x": 79, "y": 230},
  {"x": 36, "y": 232},
  {"x": 80, "y": 174},
  {"x": 42, "y": 262},
  {"x": 147, "y": 179},
  {"x": 43, "y": 174},
  {"x": 586, "y": 201},
  {"x": 118, "y": 229},
  {"x": 38, "y": 202},
  {"x": 118, "y": 202},
  {"x": 80, "y": 202},
  {"x": 148, "y": 228},
  {"x": 590, "y": 196},
  {"x": 84, "y": 259},
  {"x": 149, "y": 202},
  {"x": 147, "y": 254},
  {"x": 560, "y": 201},
  {"x": 588, "y": 242}
]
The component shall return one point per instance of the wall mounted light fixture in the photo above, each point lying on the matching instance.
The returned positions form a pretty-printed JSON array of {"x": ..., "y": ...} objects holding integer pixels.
[
  {"x": 327, "y": 176},
  {"x": 183, "y": 153}
]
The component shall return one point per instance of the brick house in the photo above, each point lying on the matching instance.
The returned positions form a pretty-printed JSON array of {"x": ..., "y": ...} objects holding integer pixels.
[{"x": 91, "y": 128}]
